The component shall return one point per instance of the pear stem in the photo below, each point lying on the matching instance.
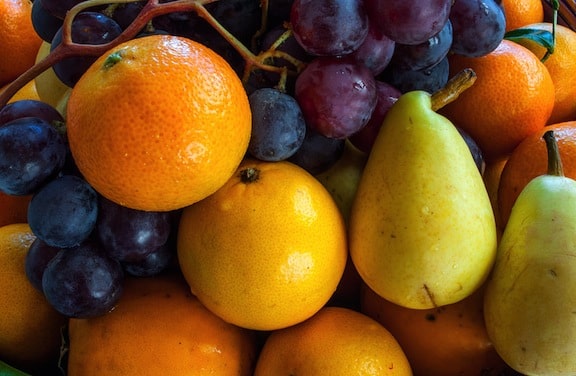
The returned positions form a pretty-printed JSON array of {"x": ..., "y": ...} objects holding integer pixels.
[
  {"x": 554, "y": 161},
  {"x": 453, "y": 88}
]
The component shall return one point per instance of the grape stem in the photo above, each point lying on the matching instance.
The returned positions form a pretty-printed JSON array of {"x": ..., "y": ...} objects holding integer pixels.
[{"x": 153, "y": 8}]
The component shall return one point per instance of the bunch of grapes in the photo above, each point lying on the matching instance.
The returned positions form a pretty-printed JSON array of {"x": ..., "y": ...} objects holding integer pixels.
[{"x": 317, "y": 73}]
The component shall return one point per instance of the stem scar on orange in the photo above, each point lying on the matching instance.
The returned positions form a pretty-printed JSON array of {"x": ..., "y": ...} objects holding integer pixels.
[{"x": 158, "y": 123}]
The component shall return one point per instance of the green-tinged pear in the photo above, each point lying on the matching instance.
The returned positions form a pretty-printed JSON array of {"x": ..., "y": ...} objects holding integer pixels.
[
  {"x": 422, "y": 230},
  {"x": 530, "y": 300}
]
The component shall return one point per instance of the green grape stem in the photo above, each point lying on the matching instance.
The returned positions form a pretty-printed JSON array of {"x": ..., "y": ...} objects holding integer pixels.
[{"x": 153, "y": 8}]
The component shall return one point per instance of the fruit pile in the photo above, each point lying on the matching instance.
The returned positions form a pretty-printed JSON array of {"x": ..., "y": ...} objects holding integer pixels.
[{"x": 266, "y": 187}]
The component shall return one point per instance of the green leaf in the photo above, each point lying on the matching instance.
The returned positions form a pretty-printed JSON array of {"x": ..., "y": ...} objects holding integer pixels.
[
  {"x": 8, "y": 370},
  {"x": 542, "y": 37}
]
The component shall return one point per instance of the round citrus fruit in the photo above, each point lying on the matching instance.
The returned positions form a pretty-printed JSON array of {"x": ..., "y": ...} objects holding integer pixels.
[
  {"x": 13, "y": 209},
  {"x": 19, "y": 42},
  {"x": 512, "y": 98},
  {"x": 159, "y": 328},
  {"x": 30, "y": 329},
  {"x": 530, "y": 159},
  {"x": 520, "y": 13},
  {"x": 446, "y": 341},
  {"x": 267, "y": 250},
  {"x": 158, "y": 123},
  {"x": 561, "y": 64},
  {"x": 335, "y": 341}
]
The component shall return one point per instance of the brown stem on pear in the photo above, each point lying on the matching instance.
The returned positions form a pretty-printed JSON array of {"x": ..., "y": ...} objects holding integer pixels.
[
  {"x": 453, "y": 88},
  {"x": 554, "y": 161}
]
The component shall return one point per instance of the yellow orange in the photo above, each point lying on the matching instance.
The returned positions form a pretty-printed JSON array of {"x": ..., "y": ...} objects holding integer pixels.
[
  {"x": 267, "y": 250},
  {"x": 158, "y": 123}
]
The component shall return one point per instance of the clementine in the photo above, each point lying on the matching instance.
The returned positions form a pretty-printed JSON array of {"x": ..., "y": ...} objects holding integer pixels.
[
  {"x": 19, "y": 42},
  {"x": 530, "y": 159},
  {"x": 512, "y": 98},
  {"x": 446, "y": 341},
  {"x": 159, "y": 328},
  {"x": 561, "y": 64},
  {"x": 30, "y": 329},
  {"x": 335, "y": 341},
  {"x": 13, "y": 209},
  {"x": 267, "y": 250},
  {"x": 520, "y": 13},
  {"x": 158, "y": 123}
]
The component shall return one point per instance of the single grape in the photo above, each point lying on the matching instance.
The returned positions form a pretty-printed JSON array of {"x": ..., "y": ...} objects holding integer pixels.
[
  {"x": 31, "y": 153},
  {"x": 129, "y": 235},
  {"x": 30, "y": 108},
  {"x": 124, "y": 14},
  {"x": 474, "y": 149},
  {"x": 37, "y": 258},
  {"x": 63, "y": 213},
  {"x": 318, "y": 153},
  {"x": 479, "y": 27},
  {"x": 87, "y": 28},
  {"x": 82, "y": 281},
  {"x": 424, "y": 55},
  {"x": 365, "y": 137},
  {"x": 329, "y": 27},
  {"x": 337, "y": 97},
  {"x": 45, "y": 23},
  {"x": 278, "y": 126},
  {"x": 279, "y": 11},
  {"x": 409, "y": 21},
  {"x": 152, "y": 264},
  {"x": 58, "y": 8},
  {"x": 429, "y": 79}
]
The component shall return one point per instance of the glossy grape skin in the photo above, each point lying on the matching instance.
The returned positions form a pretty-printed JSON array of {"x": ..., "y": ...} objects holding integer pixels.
[
  {"x": 329, "y": 27},
  {"x": 278, "y": 126},
  {"x": 30, "y": 108},
  {"x": 45, "y": 23},
  {"x": 31, "y": 153},
  {"x": 37, "y": 258},
  {"x": 318, "y": 153},
  {"x": 336, "y": 97},
  {"x": 152, "y": 264},
  {"x": 124, "y": 14},
  {"x": 129, "y": 235},
  {"x": 58, "y": 8},
  {"x": 429, "y": 79},
  {"x": 63, "y": 213},
  {"x": 409, "y": 21},
  {"x": 479, "y": 27},
  {"x": 82, "y": 281},
  {"x": 474, "y": 149},
  {"x": 87, "y": 28}
]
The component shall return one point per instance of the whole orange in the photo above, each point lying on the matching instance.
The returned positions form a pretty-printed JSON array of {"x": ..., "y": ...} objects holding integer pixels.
[
  {"x": 30, "y": 329},
  {"x": 13, "y": 209},
  {"x": 512, "y": 98},
  {"x": 446, "y": 341},
  {"x": 159, "y": 328},
  {"x": 19, "y": 42},
  {"x": 335, "y": 341},
  {"x": 530, "y": 159},
  {"x": 561, "y": 64},
  {"x": 158, "y": 123},
  {"x": 267, "y": 250},
  {"x": 520, "y": 13}
]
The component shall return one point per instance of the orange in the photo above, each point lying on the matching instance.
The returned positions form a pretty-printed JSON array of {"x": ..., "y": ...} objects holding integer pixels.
[
  {"x": 30, "y": 329},
  {"x": 512, "y": 98},
  {"x": 561, "y": 65},
  {"x": 446, "y": 341},
  {"x": 520, "y": 13},
  {"x": 159, "y": 328},
  {"x": 267, "y": 250},
  {"x": 13, "y": 209},
  {"x": 158, "y": 123},
  {"x": 336, "y": 341},
  {"x": 19, "y": 42},
  {"x": 530, "y": 159}
]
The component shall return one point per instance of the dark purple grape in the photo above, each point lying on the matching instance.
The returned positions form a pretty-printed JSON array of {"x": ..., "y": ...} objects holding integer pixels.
[
  {"x": 129, "y": 235},
  {"x": 409, "y": 21},
  {"x": 424, "y": 55},
  {"x": 329, "y": 27},
  {"x": 474, "y": 149},
  {"x": 336, "y": 97},
  {"x": 63, "y": 213},
  {"x": 30, "y": 108},
  {"x": 37, "y": 258},
  {"x": 479, "y": 27},
  {"x": 154, "y": 263},
  {"x": 87, "y": 28},
  {"x": 83, "y": 281},
  {"x": 124, "y": 14},
  {"x": 31, "y": 153},
  {"x": 429, "y": 79},
  {"x": 58, "y": 8},
  {"x": 318, "y": 153},
  {"x": 45, "y": 23},
  {"x": 279, "y": 11},
  {"x": 278, "y": 126}
]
